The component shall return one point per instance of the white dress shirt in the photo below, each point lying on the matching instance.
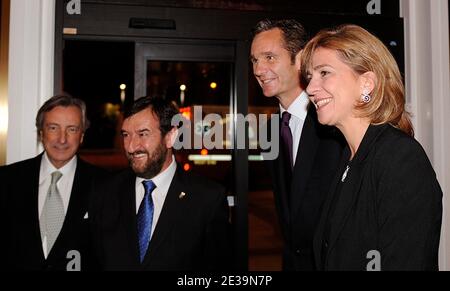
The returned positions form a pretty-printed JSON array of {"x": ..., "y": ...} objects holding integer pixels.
[
  {"x": 298, "y": 110},
  {"x": 64, "y": 185},
  {"x": 162, "y": 182}
]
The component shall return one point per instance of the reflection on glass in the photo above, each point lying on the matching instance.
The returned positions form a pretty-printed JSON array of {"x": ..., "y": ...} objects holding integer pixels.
[
  {"x": 189, "y": 85},
  {"x": 265, "y": 242}
]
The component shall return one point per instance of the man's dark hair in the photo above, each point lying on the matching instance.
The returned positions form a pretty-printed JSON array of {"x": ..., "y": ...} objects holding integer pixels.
[
  {"x": 64, "y": 101},
  {"x": 294, "y": 34},
  {"x": 164, "y": 110}
]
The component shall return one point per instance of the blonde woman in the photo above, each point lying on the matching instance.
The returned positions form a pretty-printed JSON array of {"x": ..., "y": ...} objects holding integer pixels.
[{"x": 384, "y": 209}]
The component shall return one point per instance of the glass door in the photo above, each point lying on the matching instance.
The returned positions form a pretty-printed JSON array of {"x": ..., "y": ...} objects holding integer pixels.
[{"x": 200, "y": 78}]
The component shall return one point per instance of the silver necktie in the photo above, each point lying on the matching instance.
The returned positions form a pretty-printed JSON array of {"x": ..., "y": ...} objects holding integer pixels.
[{"x": 52, "y": 217}]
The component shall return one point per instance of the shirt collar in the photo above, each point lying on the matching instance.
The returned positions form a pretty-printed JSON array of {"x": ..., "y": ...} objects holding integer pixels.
[
  {"x": 47, "y": 167},
  {"x": 298, "y": 108},
  {"x": 163, "y": 179}
]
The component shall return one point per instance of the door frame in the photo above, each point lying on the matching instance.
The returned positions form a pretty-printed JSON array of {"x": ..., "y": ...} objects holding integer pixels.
[
  {"x": 177, "y": 50},
  {"x": 211, "y": 51}
]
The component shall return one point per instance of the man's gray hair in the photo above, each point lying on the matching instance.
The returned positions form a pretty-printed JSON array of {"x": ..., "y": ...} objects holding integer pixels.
[{"x": 64, "y": 101}]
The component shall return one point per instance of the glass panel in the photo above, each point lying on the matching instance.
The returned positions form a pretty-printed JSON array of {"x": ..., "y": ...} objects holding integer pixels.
[
  {"x": 199, "y": 89},
  {"x": 94, "y": 72},
  {"x": 265, "y": 242}
]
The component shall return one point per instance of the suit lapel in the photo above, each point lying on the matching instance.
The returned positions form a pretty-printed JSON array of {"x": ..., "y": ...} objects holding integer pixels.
[
  {"x": 279, "y": 169},
  {"x": 278, "y": 174},
  {"x": 169, "y": 214},
  {"x": 77, "y": 205},
  {"x": 346, "y": 201},
  {"x": 128, "y": 211},
  {"x": 79, "y": 193},
  {"x": 32, "y": 189},
  {"x": 290, "y": 194},
  {"x": 318, "y": 237},
  {"x": 304, "y": 162}
]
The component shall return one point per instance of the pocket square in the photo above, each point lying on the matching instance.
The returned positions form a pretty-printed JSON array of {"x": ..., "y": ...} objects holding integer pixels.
[{"x": 86, "y": 216}]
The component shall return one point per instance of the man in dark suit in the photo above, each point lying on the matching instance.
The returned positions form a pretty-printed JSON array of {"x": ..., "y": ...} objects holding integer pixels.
[
  {"x": 309, "y": 152},
  {"x": 154, "y": 216},
  {"x": 45, "y": 199}
]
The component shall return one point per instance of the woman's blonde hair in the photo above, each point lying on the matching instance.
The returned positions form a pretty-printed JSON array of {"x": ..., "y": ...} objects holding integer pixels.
[{"x": 364, "y": 52}]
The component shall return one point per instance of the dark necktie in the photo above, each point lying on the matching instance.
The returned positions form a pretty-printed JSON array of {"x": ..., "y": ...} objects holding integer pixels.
[
  {"x": 286, "y": 137},
  {"x": 145, "y": 218}
]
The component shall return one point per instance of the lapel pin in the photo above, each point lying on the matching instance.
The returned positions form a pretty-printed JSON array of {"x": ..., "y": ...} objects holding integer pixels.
[{"x": 182, "y": 194}]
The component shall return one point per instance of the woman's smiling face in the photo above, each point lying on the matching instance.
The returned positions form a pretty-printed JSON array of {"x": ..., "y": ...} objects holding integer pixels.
[{"x": 334, "y": 88}]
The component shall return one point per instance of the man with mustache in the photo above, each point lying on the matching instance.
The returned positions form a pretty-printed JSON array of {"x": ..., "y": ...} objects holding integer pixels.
[
  {"x": 44, "y": 200},
  {"x": 154, "y": 216}
]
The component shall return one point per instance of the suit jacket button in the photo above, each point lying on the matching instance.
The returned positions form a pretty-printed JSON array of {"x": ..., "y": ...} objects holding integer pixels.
[
  {"x": 325, "y": 244},
  {"x": 298, "y": 251}
]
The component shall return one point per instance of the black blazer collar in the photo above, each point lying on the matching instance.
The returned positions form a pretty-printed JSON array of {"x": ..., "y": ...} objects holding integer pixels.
[
  {"x": 127, "y": 206},
  {"x": 78, "y": 204},
  {"x": 170, "y": 212},
  {"x": 31, "y": 192},
  {"x": 308, "y": 144},
  {"x": 370, "y": 138},
  {"x": 306, "y": 153},
  {"x": 350, "y": 188}
]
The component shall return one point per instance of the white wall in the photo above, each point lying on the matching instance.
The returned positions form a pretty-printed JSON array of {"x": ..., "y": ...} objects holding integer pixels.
[
  {"x": 427, "y": 89},
  {"x": 31, "y": 55}
]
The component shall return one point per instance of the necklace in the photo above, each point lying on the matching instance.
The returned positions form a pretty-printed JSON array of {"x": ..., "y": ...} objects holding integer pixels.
[{"x": 345, "y": 173}]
